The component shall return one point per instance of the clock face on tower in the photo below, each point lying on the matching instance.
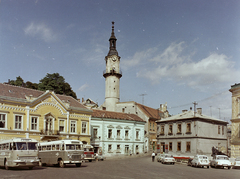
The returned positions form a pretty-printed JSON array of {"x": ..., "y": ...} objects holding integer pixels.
[{"x": 113, "y": 58}]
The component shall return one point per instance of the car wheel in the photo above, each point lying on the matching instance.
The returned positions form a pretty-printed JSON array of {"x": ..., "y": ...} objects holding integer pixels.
[
  {"x": 207, "y": 166},
  {"x": 229, "y": 168}
]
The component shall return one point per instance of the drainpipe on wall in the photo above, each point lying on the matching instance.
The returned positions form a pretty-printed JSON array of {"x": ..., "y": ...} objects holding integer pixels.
[
  {"x": 27, "y": 109},
  {"x": 67, "y": 124}
]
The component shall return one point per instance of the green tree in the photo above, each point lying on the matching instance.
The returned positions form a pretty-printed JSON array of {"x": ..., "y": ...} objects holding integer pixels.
[
  {"x": 31, "y": 85},
  {"x": 56, "y": 83},
  {"x": 18, "y": 82}
]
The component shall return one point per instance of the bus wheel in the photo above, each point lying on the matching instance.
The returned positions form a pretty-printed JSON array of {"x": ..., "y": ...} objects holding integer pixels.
[
  {"x": 90, "y": 160},
  {"x": 30, "y": 168},
  {"x": 6, "y": 164},
  {"x": 61, "y": 164},
  {"x": 78, "y": 164}
]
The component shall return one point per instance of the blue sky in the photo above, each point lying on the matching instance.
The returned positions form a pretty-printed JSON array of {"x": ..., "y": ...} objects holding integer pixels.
[{"x": 174, "y": 51}]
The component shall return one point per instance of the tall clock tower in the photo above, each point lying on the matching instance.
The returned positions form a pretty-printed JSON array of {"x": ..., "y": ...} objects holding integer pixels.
[{"x": 112, "y": 74}]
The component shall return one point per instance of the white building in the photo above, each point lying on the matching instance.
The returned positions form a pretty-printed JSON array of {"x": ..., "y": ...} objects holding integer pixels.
[
  {"x": 115, "y": 133},
  {"x": 191, "y": 133}
]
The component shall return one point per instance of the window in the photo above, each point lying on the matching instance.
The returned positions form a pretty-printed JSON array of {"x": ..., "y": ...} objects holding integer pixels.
[
  {"x": 110, "y": 148},
  {"x": 73, "y": 126},
  {"x": 34, "y": 123},
  {"x": 18, "y": 122},
  {"x": 95, "y": 133},
  {"x": 126, "y": 134},
  {"x": 137, "y": 148},
  {"x": 137, "y": 134},
  {"x": 170, "y": 146},
  {"x": 222, "y": 130},
  {"x": 162, "y": 130},
  {"x": 188, "y": 128},
  {"x": 153, "y": 126},
  {"x": 61, "y": 125},
  {"x": 109, "y": 133},
  {"x": 179, "y": 146},
  {"x": 219, "y": 129},
  {"x": 2, "y": 120},
  {"x": 84, "y": 127},
  {"x": 179, "y": 128},
  {"x": 188, "y": 146},
  {"x": 118, "y": 134},
  {"x": 170, "y": 129},
  {"x": 118, "y": 148}
]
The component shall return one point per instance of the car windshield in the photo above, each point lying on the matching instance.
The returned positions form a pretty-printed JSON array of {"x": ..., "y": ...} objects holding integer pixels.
[
  {"x": 222, "y": 158},
  {"x": 203, "y": 157},
  {"x": 168, "y": 156}
]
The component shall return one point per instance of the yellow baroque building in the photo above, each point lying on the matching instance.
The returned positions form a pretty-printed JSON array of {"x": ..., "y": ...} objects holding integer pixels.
[
  {"x": 42, "y": 115},
  {"x": 235, "y": 134}
]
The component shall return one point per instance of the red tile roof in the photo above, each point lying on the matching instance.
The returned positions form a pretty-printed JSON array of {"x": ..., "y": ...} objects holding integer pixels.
[
  {"x": 150, "y": 112},
  {"x": 115, "y": 115},
  {"x": 18, "y": 92}
]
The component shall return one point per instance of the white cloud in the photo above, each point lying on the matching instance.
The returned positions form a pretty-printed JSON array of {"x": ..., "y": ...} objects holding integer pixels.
[
  {"x": 174, "y": 64},
  {"x": 40, "y": 30},
  {"x": 83, "y": 87}
]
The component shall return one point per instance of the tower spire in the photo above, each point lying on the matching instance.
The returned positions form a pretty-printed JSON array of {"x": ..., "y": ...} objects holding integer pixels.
[{"x": 112, "y": 43}]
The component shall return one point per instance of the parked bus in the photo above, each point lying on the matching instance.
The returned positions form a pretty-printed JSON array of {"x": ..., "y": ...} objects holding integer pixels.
[
  {"x": 61, "y": 152},
  {"x": 19, "y": 152},
  {"x": 88, "y": 152}
]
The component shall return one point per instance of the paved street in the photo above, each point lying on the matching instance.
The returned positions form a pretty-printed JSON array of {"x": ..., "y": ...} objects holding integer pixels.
[{"x": 135, "y": 167}]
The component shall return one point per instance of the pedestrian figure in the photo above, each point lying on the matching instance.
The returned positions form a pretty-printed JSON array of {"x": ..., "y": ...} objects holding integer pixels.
[{"x": 153, "y": 156}]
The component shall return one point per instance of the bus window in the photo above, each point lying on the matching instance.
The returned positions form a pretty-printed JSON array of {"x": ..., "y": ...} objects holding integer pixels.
[
  {"x": 62, "y": 147},
  {"x": 70, "y": 147},
  {"x": 53, "y": 147},
  {"x": 39, "y": 148},
  {"x": 78, "y": 147},
  {"x": 32, "y": 146},
  {"x": 21, "y": 145},
  {"x": 0, "y": 146},
  {"x": 48, "y": 147},
  {"x": 57, "y": 147},
  {"x": 44, "y": 147}
]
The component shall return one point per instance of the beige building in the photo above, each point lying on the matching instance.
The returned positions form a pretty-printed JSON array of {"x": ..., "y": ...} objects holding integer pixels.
[
  {"x": 235, "y": 134},
  {"x": 42, "y": 115}
]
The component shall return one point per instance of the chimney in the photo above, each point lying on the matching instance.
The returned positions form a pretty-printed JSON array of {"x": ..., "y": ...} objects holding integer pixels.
[
  {"x": 190, "y": 108},
  {"x": 199, "y": 111}
]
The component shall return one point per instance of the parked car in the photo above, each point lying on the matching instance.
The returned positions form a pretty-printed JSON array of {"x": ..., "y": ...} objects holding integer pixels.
[
  {"x": 168, "y": 159},
  {"x": 221, "y": 161},
  {"x": 189, "y": 163},
  {"x": 200, "y": 161},
  {"x": 236, "y": 163},
  {"x": 159, "y": 157}
]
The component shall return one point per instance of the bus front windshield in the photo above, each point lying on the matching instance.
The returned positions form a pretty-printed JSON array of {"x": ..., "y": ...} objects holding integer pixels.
[
  {"x": 25, "y": 146},
  {"x": 73, "y": 147}
]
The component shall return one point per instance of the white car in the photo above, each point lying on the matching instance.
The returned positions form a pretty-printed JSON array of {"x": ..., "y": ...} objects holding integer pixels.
[
  {"x": 159, "y": 157},
  {"x": 200, "y": 161},
  {"x": 168, "y": 159},
  {"x": 236, "y": 163},
  {"x": 221, "y": 161}
]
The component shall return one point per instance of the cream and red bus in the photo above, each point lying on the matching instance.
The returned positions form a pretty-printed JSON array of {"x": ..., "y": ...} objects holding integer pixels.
[
  {"x": 88, "y": 152},
  {"x": 19, "y": 152},
  {"x": 61, "y": 152}
]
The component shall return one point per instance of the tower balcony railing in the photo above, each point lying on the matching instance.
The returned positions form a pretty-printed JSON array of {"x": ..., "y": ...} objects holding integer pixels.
[
  {"x": 50, "y": 132},
  {"x": 112, "y": 72}
]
